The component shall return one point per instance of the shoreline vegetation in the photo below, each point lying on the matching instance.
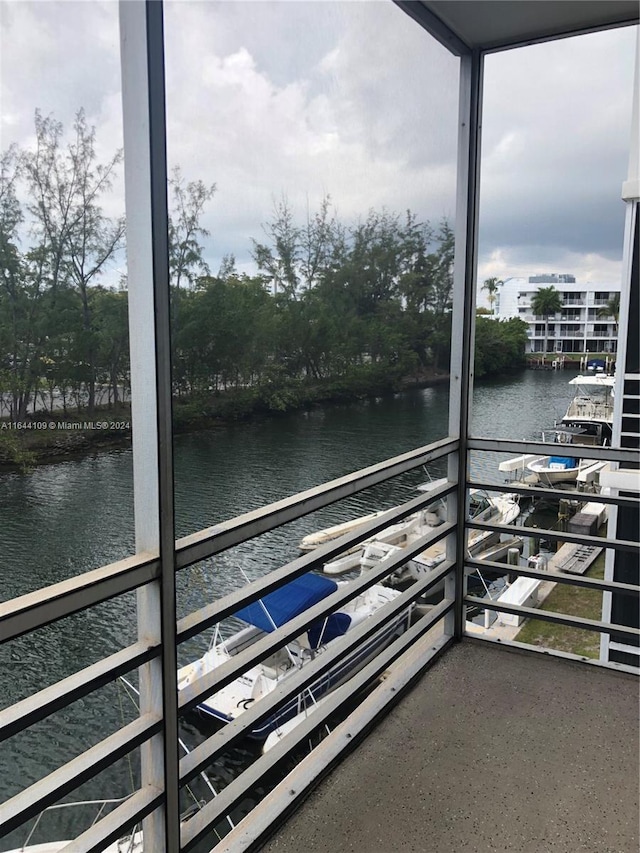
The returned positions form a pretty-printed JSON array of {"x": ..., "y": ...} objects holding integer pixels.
[
  {"x": 334, "y": 310},
  {"x": 45, "y": 437}
]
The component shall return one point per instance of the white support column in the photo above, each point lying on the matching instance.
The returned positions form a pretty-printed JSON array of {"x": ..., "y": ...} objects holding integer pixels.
[
  {"x": 143, "y": 97},
  {"x": 631, "y": 197},
  {"x": 463, "y": 316}
]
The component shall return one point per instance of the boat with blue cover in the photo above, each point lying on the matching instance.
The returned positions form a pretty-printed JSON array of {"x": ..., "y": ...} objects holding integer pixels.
[{"x": 270, "y": 612}]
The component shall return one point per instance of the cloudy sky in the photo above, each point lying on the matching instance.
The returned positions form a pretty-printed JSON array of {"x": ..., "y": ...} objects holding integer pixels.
[{"x": 351, "y": 99}]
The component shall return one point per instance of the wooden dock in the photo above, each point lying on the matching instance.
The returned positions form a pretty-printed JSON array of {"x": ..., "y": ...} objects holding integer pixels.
[{"x": 574, "y": 559}]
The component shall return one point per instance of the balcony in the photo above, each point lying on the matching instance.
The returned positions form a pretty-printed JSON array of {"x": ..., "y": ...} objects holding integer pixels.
[
  {"x": 483, "y": 744},
  {"x": 490, "y": 749}
]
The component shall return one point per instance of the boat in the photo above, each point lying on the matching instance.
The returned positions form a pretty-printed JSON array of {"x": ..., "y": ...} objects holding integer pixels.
[
  {"x": 270, "y": 612},
  {"x": 124, "y": 845},
  {"x": 566, "y": 466},
  {"x": 562, "y": 467},
  {"x": 328, "y": 534},
  {"x": 592, "y": 408},
  {"x": 283, "y": 730},
  {"x": 396, "y": 531},
  {"x": 502, "y": 509},
  {"x": 587, "y": 422},
  {"x": 131, "y": 843}
]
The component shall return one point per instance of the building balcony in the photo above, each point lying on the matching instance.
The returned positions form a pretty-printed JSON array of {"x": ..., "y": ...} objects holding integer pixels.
[
  {"x": 490, "y": 749},
  {"x": 486, "y": 739}
]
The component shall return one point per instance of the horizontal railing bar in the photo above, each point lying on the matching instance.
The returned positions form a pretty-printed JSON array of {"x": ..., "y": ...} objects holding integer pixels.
[
  {"x": 205, "y": 543},
  {"x": 34, "y": 799},
  {"x": 209, "y": 615},
  {"x": 49, "y": 604},
  {"x": 558, "y": 577},
  {"x": 554, "y": 494},
  {"x": 44, "y": 606},
  {"x": 526, "y": 648},
  {"x": 543, "y": 533},
  {"x": 122, "y": 819},
  {"x": 25, "y": 713},
  {"x": 250, "y": 832},
  {"x": 205, "y": 753},
  {"x": 207, "y": 684},
  {"x": 544, "y": 448},
  {"x": 222, "y": 805},
  {"x": 551, "y": 616}
]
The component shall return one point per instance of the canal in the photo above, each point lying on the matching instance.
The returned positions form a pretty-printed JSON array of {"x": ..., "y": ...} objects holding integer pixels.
[{"x": 63, "y": 519}]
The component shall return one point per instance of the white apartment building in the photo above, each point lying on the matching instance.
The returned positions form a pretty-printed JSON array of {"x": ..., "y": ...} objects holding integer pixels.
[{"x": 580, "y": 327}]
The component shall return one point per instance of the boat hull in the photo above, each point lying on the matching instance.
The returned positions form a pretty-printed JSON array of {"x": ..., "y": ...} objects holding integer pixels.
[{"x": 337, "y": 675}]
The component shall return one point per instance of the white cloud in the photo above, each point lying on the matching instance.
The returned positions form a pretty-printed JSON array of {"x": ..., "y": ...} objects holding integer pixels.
[{"x": 355, "y": 100}]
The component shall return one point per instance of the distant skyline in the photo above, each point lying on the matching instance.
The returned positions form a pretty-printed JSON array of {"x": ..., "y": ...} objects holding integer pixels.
[{"x": 354, "y": 100}]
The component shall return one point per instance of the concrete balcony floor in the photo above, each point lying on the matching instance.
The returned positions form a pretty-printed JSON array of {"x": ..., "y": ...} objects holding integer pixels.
[{"x": 491, "y": 750}]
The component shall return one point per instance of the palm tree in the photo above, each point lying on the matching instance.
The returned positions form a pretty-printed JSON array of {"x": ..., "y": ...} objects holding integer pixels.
[
  {"x": 611, "y": 309},
  {"x": 491, "y": 286},
  {"x": 546, "y": 302}
]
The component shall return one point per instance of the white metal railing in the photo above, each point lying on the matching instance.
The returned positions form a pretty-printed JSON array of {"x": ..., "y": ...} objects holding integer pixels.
[{"x": 41, "y": 608}]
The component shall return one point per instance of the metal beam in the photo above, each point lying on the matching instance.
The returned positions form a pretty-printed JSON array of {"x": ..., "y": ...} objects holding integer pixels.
[
  {"x": 604, "y": 454},
  {"x": 463, "y": 316},
  {"x": 145, "y": 160},
  {"x": 557, "y": 618},
  {"x": 435, "y": 26},
  {"x": 44, "y": 606},
  {"x": 555, "y": 494},
  {"x": 40, "y": 705},
  {"x": 34, "y": 799},
  {"x": 212, "y": 540},
  {"x": 558, "y": 577},
  {"x": 215, "y": 809}
]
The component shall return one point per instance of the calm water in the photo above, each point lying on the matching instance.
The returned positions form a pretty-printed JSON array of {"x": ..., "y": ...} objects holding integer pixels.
[{"x": 63, "y": 519}]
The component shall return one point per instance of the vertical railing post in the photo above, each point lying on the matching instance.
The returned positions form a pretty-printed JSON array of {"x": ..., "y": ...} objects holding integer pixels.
[
  {"x": 463, "y": 317},
  {"x": 143, "y": 97}
]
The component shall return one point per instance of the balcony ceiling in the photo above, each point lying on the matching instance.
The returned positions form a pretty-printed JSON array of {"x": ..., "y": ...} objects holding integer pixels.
[{"x": 498, "y": 24}]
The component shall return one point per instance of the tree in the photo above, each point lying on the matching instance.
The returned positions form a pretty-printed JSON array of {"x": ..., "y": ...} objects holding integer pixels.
[
  {"x": 491, "y": 285},
  {"x": 611, "y": 309},
  {"x": 546, "y": 302},
  {"x": 15, "y": 299},
  {"x": 499, "y": 345},
  {"x": 187, "y": 202},
  {"x": 76, "y": 240}
]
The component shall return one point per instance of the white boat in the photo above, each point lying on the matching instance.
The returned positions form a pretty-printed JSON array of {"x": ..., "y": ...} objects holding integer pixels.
[
  {"x": 128, "y": 844},
  {"x": 283, "y": 730},
  {"x": 587, "y": 421},
  {"x": 328, "y": 534},
  {"x": 266, "y": 615},
  {"x": 592, "y": 408},
  {"x": 562, "y": 467},
  {"x": 390, "y": 534},
  {"x": 503, "y": 509}
]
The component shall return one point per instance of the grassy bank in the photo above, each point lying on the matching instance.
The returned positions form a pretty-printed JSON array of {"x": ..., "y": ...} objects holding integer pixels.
[{"x": 572, "y": 601}]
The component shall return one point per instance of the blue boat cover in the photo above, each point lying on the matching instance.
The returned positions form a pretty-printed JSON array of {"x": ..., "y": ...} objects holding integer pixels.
[
  {"x": 282, "y": 605},
  {"x": 564, "y": 461},
  {"x": 324, "y": 630}
]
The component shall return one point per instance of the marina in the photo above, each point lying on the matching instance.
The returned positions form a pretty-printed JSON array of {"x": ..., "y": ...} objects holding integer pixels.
[{"x": 57, "y": 497}]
